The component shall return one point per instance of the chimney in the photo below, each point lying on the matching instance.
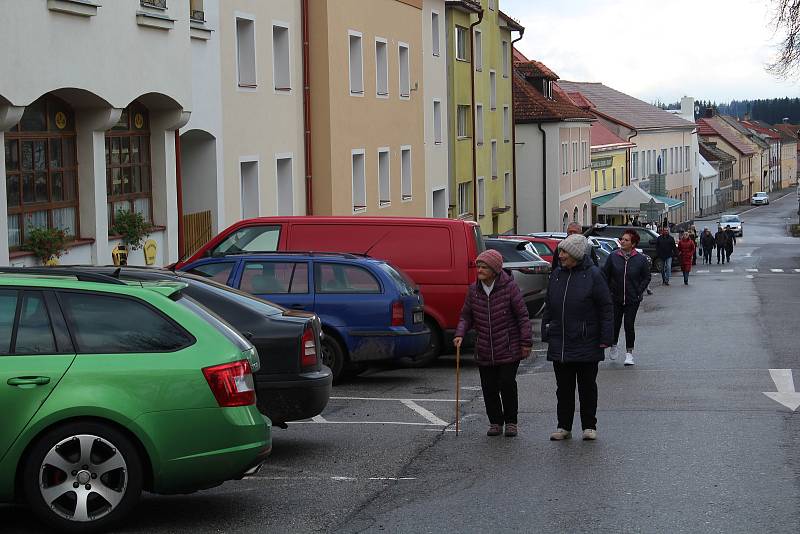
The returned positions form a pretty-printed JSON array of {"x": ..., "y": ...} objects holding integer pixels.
[
  {"x": 709, "y": 113},
  {"x": 687, "y": 108}
]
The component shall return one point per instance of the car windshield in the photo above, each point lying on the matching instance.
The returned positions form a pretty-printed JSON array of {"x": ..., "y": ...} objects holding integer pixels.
[
  {"x": 512, "y": 254},
  {"x": 405, "y": 285},
  {"x": 730, "y": 219}
]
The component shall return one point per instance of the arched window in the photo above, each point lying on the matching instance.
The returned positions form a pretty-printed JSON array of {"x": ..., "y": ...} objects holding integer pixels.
[
  {"x": 128, "y": 180},
  {"x": 575, "y": 214},
  {"x": 586, "y": 220},
  {"x": 565, "y": 222},
  {"x": 42, "y": 170}
]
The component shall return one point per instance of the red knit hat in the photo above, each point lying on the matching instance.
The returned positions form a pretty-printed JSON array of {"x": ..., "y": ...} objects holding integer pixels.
[{"x": 492, "y": 258}]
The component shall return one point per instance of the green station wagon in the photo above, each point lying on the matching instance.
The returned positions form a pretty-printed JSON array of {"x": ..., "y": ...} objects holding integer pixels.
[{"x": 108, "y": 389}]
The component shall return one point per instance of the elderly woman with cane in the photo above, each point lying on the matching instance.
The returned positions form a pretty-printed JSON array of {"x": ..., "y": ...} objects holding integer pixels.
[
  {"x": 495, "y": 309},
  {"x": 578, "y": 324}
]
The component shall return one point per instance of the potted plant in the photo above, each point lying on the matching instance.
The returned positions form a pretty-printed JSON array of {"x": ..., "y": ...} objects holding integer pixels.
[
  {"x": 132, "y": 227},
  {"x": 47, "y": 244}
]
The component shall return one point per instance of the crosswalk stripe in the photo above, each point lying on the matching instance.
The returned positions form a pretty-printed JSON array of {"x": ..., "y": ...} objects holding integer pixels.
[
  {"x": 797, "y": 270},
  {"x": 702, "y": 271},
  {"x": 750, "y": 276},
  {"x": 726, "y": 271},
  {"x": 751, "y": 270},
  {"x": 776, "y": 270}
]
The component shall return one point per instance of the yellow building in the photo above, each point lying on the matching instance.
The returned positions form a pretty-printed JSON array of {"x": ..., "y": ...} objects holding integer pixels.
[{"x": 609, "y": 167}]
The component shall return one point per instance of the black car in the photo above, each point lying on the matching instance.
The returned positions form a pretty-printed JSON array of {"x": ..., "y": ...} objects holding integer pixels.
[
  {"x": 530, "y": 271},
  {"x": 292, "y": 383},
  {"x": 647, "y": 243}
]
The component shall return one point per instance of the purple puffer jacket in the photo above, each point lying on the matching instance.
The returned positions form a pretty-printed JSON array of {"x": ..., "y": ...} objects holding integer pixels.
[{"x": 500, "y": 319}]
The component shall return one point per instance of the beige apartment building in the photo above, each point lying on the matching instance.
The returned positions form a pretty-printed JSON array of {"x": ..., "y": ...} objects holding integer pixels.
[{"x": 367, "y": 121}]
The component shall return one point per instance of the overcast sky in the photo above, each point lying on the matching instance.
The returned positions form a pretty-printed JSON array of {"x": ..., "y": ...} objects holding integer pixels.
[{"x": 656, "y": 49}]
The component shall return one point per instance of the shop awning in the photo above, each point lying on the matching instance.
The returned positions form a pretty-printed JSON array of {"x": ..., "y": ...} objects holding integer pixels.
[{"x": 629, "y": 201}]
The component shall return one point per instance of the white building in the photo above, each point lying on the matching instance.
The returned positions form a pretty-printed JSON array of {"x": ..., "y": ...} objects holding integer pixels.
[
  {"x": 88, "y": 114},
  {"x": 709, "y": 183},
  {"x": 434, "y": 64}
]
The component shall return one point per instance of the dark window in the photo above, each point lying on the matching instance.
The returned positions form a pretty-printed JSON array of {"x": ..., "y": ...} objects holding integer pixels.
[
  {"x": 8, "y": 311},
  {"x": 274, "y": 277},
  {"x": 108, "y": 324},
  {"x": 34, "y": 333},
  {"x": 542, "y": 249},
  {"x": 128, "y": 180},
  {"x": 341, "y": 278},
  {"x": 42, "y": 171},
  {"x": 219, "y": 272},
  {"x": 250, "y": 239}
]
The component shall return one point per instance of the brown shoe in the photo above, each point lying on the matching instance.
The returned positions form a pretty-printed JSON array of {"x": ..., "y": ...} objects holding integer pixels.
[
  {"x": 494, "y": 430},
  {"x": 511, "y": 430}
]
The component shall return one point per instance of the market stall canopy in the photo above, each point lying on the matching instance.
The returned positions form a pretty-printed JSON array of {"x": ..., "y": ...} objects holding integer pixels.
[{"x": 629, "y": 201}]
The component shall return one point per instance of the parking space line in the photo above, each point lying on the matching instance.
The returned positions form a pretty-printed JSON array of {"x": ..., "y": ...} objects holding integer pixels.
[
  {"x": 395, "y": 400},
  {"x": 358, "y": 423},
  {"x": 318, "y": 419},
  {"x": 427, "y": 414}
]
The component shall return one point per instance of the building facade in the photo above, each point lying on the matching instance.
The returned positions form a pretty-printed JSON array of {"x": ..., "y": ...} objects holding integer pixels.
[
  {"x": 437, "y": 141},
  {"x": 609, "y": 168},
  {"x": 713, "y": 129}
]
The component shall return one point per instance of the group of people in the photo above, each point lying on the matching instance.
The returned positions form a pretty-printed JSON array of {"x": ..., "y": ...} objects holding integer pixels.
[
  {"x": 724, "y": 241},
  {"x": 585, "y": 310},
  {"x": 690, "y": 246}
]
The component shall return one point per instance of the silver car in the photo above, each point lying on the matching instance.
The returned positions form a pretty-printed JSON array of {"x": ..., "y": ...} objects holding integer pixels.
[
  {"x": 759, "y": 199},
  {"x": 530, "y": 271},
  {"x": 733, "y": 221}
]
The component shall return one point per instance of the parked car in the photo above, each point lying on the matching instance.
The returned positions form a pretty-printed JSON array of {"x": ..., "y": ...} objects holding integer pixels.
[
  {"x": 370, "y": 311},
  {"x": 552, "y": 235},
  {"x": 647, "y": 245},
  {"x": 109, "y": 389},
  {"x": 759, "y": 199},
  {"x": 530, "y": 271},
  {"x": 609, "y": 244},
  {"x": 544, "y": 247},
  {"x": 733, "y": 221},
  {"x": 437, "y": 254},
  {"x": 293, "y": 383}
]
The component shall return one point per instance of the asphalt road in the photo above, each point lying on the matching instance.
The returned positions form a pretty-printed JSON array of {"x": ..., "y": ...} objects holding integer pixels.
[{"x": 688, "y": 440}]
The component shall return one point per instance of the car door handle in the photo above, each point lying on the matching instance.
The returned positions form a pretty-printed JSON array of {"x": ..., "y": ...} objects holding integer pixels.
[{"x": 28, "y": 381}]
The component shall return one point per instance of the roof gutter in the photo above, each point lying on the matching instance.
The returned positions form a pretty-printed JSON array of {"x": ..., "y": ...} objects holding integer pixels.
[
  {"x": 472, "y": 109},
  {"x": 514, "y": 133}
]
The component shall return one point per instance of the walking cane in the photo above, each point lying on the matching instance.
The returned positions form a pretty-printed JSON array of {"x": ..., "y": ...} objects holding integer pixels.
[{"x": 458, "y": 382}]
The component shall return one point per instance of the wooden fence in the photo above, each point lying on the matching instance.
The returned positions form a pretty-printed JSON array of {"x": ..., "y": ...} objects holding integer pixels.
[{"x": 197, "y": 231}]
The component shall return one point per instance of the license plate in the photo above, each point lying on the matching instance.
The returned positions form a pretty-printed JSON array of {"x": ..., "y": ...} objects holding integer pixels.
[{"x": 418, "y": 317}]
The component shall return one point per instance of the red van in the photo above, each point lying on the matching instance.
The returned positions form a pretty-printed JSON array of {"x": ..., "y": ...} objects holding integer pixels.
[{"x": 438, "y": 254}]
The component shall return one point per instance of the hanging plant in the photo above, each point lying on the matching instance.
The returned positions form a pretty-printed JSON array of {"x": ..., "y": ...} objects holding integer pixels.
[{"x": 47, "y": 244}]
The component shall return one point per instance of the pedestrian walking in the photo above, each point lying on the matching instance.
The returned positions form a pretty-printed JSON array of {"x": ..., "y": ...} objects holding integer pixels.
[
  {"x": 665, "y": 248},
  {"x": 721, "y": 240},
  {"x": 577, "y": 324},
  {"x": 572, "y": 229},
  {"x": 708, "y": 243},
  {"x": 686, "y": 251},
  {"x": 730, "y": 242},
  {"x": 693, "y": 236},
  {"x": 628, "y": 275},
  {"x": 495, "y": 309}
]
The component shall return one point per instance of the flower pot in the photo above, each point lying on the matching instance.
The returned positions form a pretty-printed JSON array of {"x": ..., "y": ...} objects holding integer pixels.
[{"x": 120, "y": 255}]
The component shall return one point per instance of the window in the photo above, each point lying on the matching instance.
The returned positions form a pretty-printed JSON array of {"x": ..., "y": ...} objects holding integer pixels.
[
  {"x": 196, "y": 12},
  {"x": 437, "y": 122},
  {"x": 284, "y": 180},
  {"x": 405, "y": 75},
  {"x": 463, "y": 199},
  {"x": 494, "y": 159},
  {"x": 687, "y": 159},
  {"x": 643, "y": 158},
  {"x": 584, "y": 155},
  {"x": 128, "y": 179},
  {"x": 267, "y": 277},
  {"x": 461, "y": 44},
  {"x": 439, "y": 203},
  {"x": 613, "y": 178},
  {"x": 218, "y": 272},
  {"x": 246, "y": 52},
  {"x": 671, "y": 164},
  {"x": 548, "y": 89},
  {"x": 359, "y": 181},
  {"x": 585, "y": 214},
  {"x": 506, "y": 124},
  {"x": 492, "y": 90},
  {"x": 462, "y": 121},
  {"x": 341, "y": 278},
  {"x": 34, "y": 331},
  {"x": 507, "y": 191},
  {"x": 662, "y": 167},
  {"x": 635, "y": 164},
  {"x": 356, "y": 55},
  {"x": 574, "y": 156},
  {"x": 478, "y": 50},
  {"x": 575, "y": 214},
  {"x": 42, "y": 171},
  {"x": 384, "y": 185},
  {"x": 622, "y": 176},
  {"x": 605, "y": 185},
  {"x": 596, "y": 183},
  {"x": 248, "y": 175},
  {"x": 405, "y": 172},
  {"x": 479, "y": 123},
  {"x": 481, "y": 196},
  {"x": 133, "y": 327},
  {"x": 260, "y": 238},
  {"x": 505, "y": 59},
  {"x": 381, "y": 68},
  {"x": 564, "y": 158},
  {"x": 280, "y": 58},
  {"x": 435, "y": 41}
]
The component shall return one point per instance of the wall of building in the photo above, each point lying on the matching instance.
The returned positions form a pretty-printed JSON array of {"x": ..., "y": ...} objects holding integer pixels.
[
  {"x": 788, "y": 164},
  {"x": 435, "y": 76},
  {"x": 610, "y": 161},
  {"x": 574, "y": 179}
]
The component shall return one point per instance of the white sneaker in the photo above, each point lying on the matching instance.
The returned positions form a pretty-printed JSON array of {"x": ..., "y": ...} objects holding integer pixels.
[
  {"x": 614, "y": 352},
  {"x": 628, "y": 358}
]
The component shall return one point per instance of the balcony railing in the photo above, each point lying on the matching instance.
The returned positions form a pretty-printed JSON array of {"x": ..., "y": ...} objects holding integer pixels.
[{"x": 159, "y": 4}]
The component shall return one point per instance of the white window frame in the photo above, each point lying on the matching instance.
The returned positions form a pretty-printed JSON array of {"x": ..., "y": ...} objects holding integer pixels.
[
  {"x": 462, "y": 32},
  {"x": 494, "y": 159},
  {"x": 385, "y": 202},
  {"x": 358, "y": 208},
  {"x": 478, "y": 124},
  {"x": 465, "y": 109},
  {"x": 437, "y": 121},
  {"x": 574, "y": 156},
  {"x": 245, "y": 85},
  {"x": 357, "y": 91},
  {"x": 507, "y": 186},
  {"x": 436, "y": 39},
  {"x": 634, "y": 164},
  {"x": 603, "y": 175},
  {"x": 478, "y": 36},
  {"x": 481, "y": 196},
  {"x": 404, "y": 85},
  {"x": 504, "y": 49},
  {"x": 506, "y": 124},
  {"x": 596, "y": 181},
  {"x": 564, "y": 158},
  {"x": 462, "y": 200},
  {"x": 287, "y": 89},
  {"x": 278, "y": 158},
  {"x": 492, "y": 90},
  {"x": 613, "y": 178},
  {"x": 378, "y": 93},
  {"x": 406, "y": 180},
  {"x": 584, "y": 154},
  {"x": 687, "y": 157},
  {"x": 257, "y": 161}
]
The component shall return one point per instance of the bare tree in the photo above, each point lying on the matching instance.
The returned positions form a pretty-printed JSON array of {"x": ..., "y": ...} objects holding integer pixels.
[{"x": 786, "y": 21}]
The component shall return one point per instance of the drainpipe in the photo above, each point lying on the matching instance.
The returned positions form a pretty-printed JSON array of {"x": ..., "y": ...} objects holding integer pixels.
[
  {"x": 472, "y": 96},
  {"x": 513, "y": 132},
  {"x": 307, "y": 110},
  {"x": 544, "y": 177},
  {"x": 179, "y": 190}
]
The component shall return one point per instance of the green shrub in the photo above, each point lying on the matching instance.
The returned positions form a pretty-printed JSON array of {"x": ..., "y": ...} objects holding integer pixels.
[
  {"x": 46, "y": 243},
  {"x": 132, "y": 228}
]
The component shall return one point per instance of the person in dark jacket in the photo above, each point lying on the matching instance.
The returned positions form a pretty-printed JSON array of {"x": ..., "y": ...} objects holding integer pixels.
[
  {"x": 575, "y": 228},
  {"x": 628, "y": 275},
  {"x": 721, "y": 240},
  {"x": 495, "y": 309},
  {"x": 665, "y": 248},
  {"x": 730, "y": 242},
  {"x": 707, "y": 242},
  {"x": 577, "y": 324}
]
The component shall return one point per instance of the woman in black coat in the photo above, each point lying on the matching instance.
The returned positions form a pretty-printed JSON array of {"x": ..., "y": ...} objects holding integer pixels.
[
  {"x": 577, "y": 325},
  {"x": 707, "y": 242}
]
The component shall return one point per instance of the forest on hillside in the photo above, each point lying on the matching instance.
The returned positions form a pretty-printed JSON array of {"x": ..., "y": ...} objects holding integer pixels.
[{"x": 771, "y": 111}]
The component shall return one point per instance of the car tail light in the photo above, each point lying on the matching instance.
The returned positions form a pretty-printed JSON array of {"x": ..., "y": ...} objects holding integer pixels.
[
  {"x": 231, "y": 383},
  {"x": 308, "y": 349},
  {"x": 398, "y": 313}
]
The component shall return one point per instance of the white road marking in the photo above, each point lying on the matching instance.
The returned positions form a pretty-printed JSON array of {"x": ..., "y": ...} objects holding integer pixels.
[
  {"x": 471, "y": 388},
  {"x": 750, "y": 276},
  {"x": 358, "y": 423},
  {"x": 751, "y": 270},
  {"x": 427, "y": 414},
  {"x": 776, "y": 270},
  {"x": 797, "y": 270},
  {"x": 726, "y": 271},
  {"x": 702, "y": 272},
  {"x": 392, "y": 399},
  {"x": 391, "y": 478},
  {"x": 346, "y": 479},
  {"x": 784, "y": 383},
  {"x": 318, "y": 419}
]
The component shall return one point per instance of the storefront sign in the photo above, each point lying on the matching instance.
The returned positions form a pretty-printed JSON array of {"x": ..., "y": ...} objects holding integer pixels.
[{"x": 602, "y": 163}]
